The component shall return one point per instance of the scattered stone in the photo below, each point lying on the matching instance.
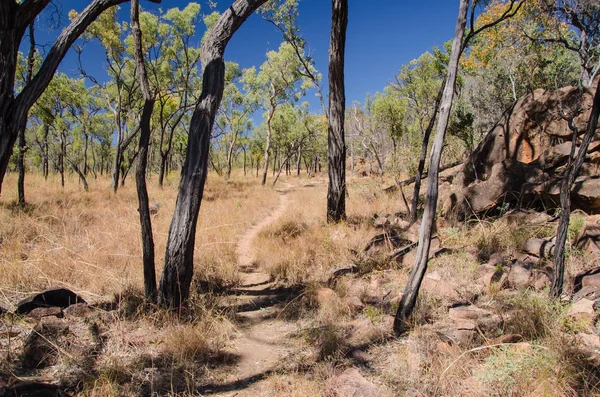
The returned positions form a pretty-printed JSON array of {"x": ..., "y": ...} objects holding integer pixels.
[
  {"x": 591, "y": 293},
  {"x": 435, "y": 286},
  {"x": 519, "y": 276},
  {"x": 60, "y": 297},
  {"x": 40, "y": 312},
  {"x": 539, "y": 247},
  {"x": 590, "y": 340},
  {"x": 465, "y": 336},
  {"x": 588, "y": 238},
  {"x": 508, "y": 338},
  {"x": 354, "y": 303},
  {"x": 41, "y": 345},
  {"x": 464, "y": 313},
  {"x": 583, "y": 310},
  {"x": 351, "y": 383},
  {"x": 591, "y": 281},
  {"x": 491, "y": 275},
  {"x": 540, "y": 280},
  {"x": 78, "y": 310}
]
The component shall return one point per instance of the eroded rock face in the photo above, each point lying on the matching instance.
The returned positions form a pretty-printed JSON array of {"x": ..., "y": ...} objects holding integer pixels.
[{"x": 521, "y": 161}]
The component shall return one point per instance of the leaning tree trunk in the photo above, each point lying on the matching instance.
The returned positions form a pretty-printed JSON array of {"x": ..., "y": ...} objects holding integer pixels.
[
  {"x": 140, "y": 172},
  {"x": 417, "y": 273},
  {"x": 573, "y": 168},
  {"x": 423, "y": 156},
  {"x": 179, "y": 255},
  {"x": 336, "y": 191}
]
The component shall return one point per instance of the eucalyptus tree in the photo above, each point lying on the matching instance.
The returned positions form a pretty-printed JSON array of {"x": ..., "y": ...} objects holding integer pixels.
[
  {"x": 278, "y": 81},
  {"x": 179, "y": 256},
  {"x": 234, "y": 113},
  {"x": 15, "y": 17},
  {"x": 417, "y": 83},
  {"x": 121, "y": 94},
  {"x": 459, "y": 43},
  {"x": 172, "y": 64}
]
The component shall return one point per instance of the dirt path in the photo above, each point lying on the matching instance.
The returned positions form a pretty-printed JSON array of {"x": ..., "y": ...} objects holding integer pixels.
[{"x": 263, "y": 339}]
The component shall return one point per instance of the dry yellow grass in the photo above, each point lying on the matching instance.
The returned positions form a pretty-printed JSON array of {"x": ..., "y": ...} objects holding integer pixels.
[{"x": 90, "y": 242}]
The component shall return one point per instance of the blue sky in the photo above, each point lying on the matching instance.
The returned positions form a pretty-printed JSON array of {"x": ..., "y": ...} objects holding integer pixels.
[{"x": 382, "y": 36}]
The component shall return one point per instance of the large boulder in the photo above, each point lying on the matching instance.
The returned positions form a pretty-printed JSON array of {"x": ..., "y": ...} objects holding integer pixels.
[{"x": 521, "y": 161}]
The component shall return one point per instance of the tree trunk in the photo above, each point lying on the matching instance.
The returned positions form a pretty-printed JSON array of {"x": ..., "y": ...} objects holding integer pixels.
[
  {"x": 267, "y": 146},
  {"x": 179, "y": 256},
  {"x": 423, "y": 156},
  {"x": 63, "y": 150},
  {"x": 573, "y": 168},
  {"x": 419, "y": 268},
  {"x": 80, "y": 174},
  {"x": 336, "y": 191},
  {"x": 140, "y": 172}
]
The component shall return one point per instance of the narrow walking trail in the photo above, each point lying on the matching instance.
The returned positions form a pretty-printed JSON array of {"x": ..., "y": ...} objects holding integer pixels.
[{"x": 263, "y": 340}]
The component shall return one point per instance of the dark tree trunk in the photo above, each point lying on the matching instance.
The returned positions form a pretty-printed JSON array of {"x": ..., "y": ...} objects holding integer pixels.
[
  {"x": 336, "y": 191},
  {"x": 179, "y": 256},
  {"x": 140, "y": 172},
  {"x": 161, "y": 174},
  {"x": 573, "y": 168},
  {"x": 419, "y": 268}
]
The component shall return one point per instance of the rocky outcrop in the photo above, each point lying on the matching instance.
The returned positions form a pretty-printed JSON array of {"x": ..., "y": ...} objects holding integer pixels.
[{"x": 521, "y": 161}]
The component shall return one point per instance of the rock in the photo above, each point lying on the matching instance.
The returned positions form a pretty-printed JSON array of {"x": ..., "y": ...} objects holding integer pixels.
[
  {"x": 527, "y": 143},
  {"x": 590, "y": 275},
  {"x": 588, "y": 238},
  {"x": 591, "y": 293},
  {"x": 539, "y": 247},
  {"x": 593, "y": 280},
  {"x": 351, "y": 383},
  {"x": 464, "y": 324},
  {"x": 436, "y": 287},
  {"x": 509, "y": 338},
  {"x": 504, "y": 186},
  {"x": 41, "y": 345},
  {"x": 78, "y": 310},
  {"x": 40, "y": 312},
  {"x": 60, "y": 297},
  {"x": 401, "y": 223},
  {"x": 323, "y": 296},
  {"x": 492, "y": 275},
  {"x": 464, "y": 312},
  {"x": 519, "y": 276},
  {"x": 585, "y": 194},
  {"x": 592, "y": 341},
  {"x": 354, "y": 303},
  {"x": 465, "y": 337},
  {"x": 383, "y": 243},
  {"x": 540, "y": 280},
  {"x": 583, "y": 310}
]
